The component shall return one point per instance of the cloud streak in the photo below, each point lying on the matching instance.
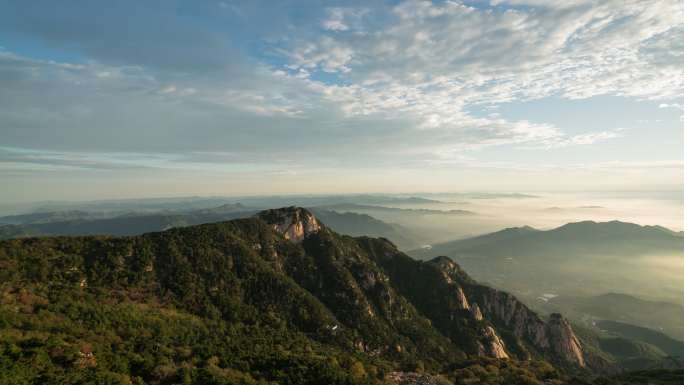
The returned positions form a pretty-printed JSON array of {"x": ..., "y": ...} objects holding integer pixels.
[{"x": 432, "y": 61}]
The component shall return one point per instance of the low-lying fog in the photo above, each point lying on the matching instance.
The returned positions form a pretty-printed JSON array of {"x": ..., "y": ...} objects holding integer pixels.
[
  {"x": 666, "y": 274},
  {"x": 654, "y": 276},
  {"x": 492, "y": 212}
]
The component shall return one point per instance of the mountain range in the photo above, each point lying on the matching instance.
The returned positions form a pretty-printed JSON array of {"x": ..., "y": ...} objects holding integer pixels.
[
  {"x": 191, "y": 203},
  {"x": 279, "y": 297},
  {"x": 577, "y": 259},
  {"x": 588, "y": 237},
  {"x": 134, "y": 223},
  {"x": 355, "y": 207},
  {"x": 276, "y": 297}
]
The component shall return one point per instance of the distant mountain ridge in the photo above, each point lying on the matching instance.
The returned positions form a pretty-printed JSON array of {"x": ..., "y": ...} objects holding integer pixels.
[
  {"x": 499, "y": 236},
  {"x": 135, "y": 223},
  {"x": 355, "y": 224},
  {"x": 355, "y": 207},
  {"x": 612, "y": 238},
  {"x": 197, "y": 203},
  {"x": 49, "y": 216},
  {"x": 667, "y": 344},
  {"x": 582, "y": 259}
]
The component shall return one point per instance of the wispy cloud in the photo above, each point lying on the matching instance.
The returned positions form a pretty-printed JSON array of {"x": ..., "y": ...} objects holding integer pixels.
[
  {"x": 433, "y": 60},
  {"x": 340, "y": 87}
]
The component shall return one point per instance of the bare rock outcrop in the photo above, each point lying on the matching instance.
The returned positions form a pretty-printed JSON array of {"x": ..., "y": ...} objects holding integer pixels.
[
  {"x": 476, "y": 312},
  {"x": 294, "y": 223},
  {"x": 555, "y": 336},
  {"x": 564, "y": 342},
  {"x": 494, "y": 346},
  {"x": 461, "y": 299}
]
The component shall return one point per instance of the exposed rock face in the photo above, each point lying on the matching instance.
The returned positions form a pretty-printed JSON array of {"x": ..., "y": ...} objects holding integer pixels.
[
  {"x": 503, "y": 324},
  {"x": 438, "y": 290},
  {"x": 555, "y": 336},
  {"x": 369, "y": 283},
  {"x": 294, "y": 223},
  {"x": 506, "y": 309},
  {"x": 495, "y": 346},
  {"x": 476, "y": 312},
  {"x": 565, "y": 342},
  {"x": 496, "y": 311},
  {"x": 461, "y": 298}
]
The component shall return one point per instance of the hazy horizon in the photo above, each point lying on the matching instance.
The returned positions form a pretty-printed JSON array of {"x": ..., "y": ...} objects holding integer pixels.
[{"x": 492, "y": 210}]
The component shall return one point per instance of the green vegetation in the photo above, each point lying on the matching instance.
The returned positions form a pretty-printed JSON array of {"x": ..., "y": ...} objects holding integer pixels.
[
  {"x": 668, "y": 345},
  {"x": 234, "y": 303},
  {"x": 190, "y": 306}
]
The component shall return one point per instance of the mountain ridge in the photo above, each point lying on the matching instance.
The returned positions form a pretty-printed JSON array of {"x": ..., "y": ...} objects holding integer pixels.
[
  {"x": 135, "y": 223},
  {"x": 581, "y": 232},
  {"x": 342, "y": 292}
]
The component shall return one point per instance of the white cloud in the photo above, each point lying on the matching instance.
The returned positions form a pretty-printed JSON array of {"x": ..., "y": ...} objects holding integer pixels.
[
  {"x": 335, "y": 20},
  {"x": 672, "y": 105},
  {"x": 578, "y": 140},
  {"x": 437, "y": 59},
  {"x": 343, "y": 19},
  {"x": 398, "y": 86},
  {"x": 168, "y": 89},
  {"x": 325, "y": 54}
]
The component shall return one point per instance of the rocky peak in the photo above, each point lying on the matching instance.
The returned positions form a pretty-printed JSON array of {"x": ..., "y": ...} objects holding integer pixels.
[
  {"x": 450, "y": 269},
  {"x": 565, "y": 342},
  {"x": 554, "y": 336},
  {"x": 461, "y": 299},
  {"x": 294, "y": 223},
  {"x": 494, "y": 345},
  {"x": 444, "y": 263},
  {"x": 476, "y": 312}
]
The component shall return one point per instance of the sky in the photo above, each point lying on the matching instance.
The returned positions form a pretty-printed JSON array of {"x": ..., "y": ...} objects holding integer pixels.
[{"x": 115, "y": 99}]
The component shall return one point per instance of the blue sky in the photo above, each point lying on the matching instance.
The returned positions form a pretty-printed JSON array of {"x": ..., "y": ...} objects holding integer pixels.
[{"x": 129, "y": 98}]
